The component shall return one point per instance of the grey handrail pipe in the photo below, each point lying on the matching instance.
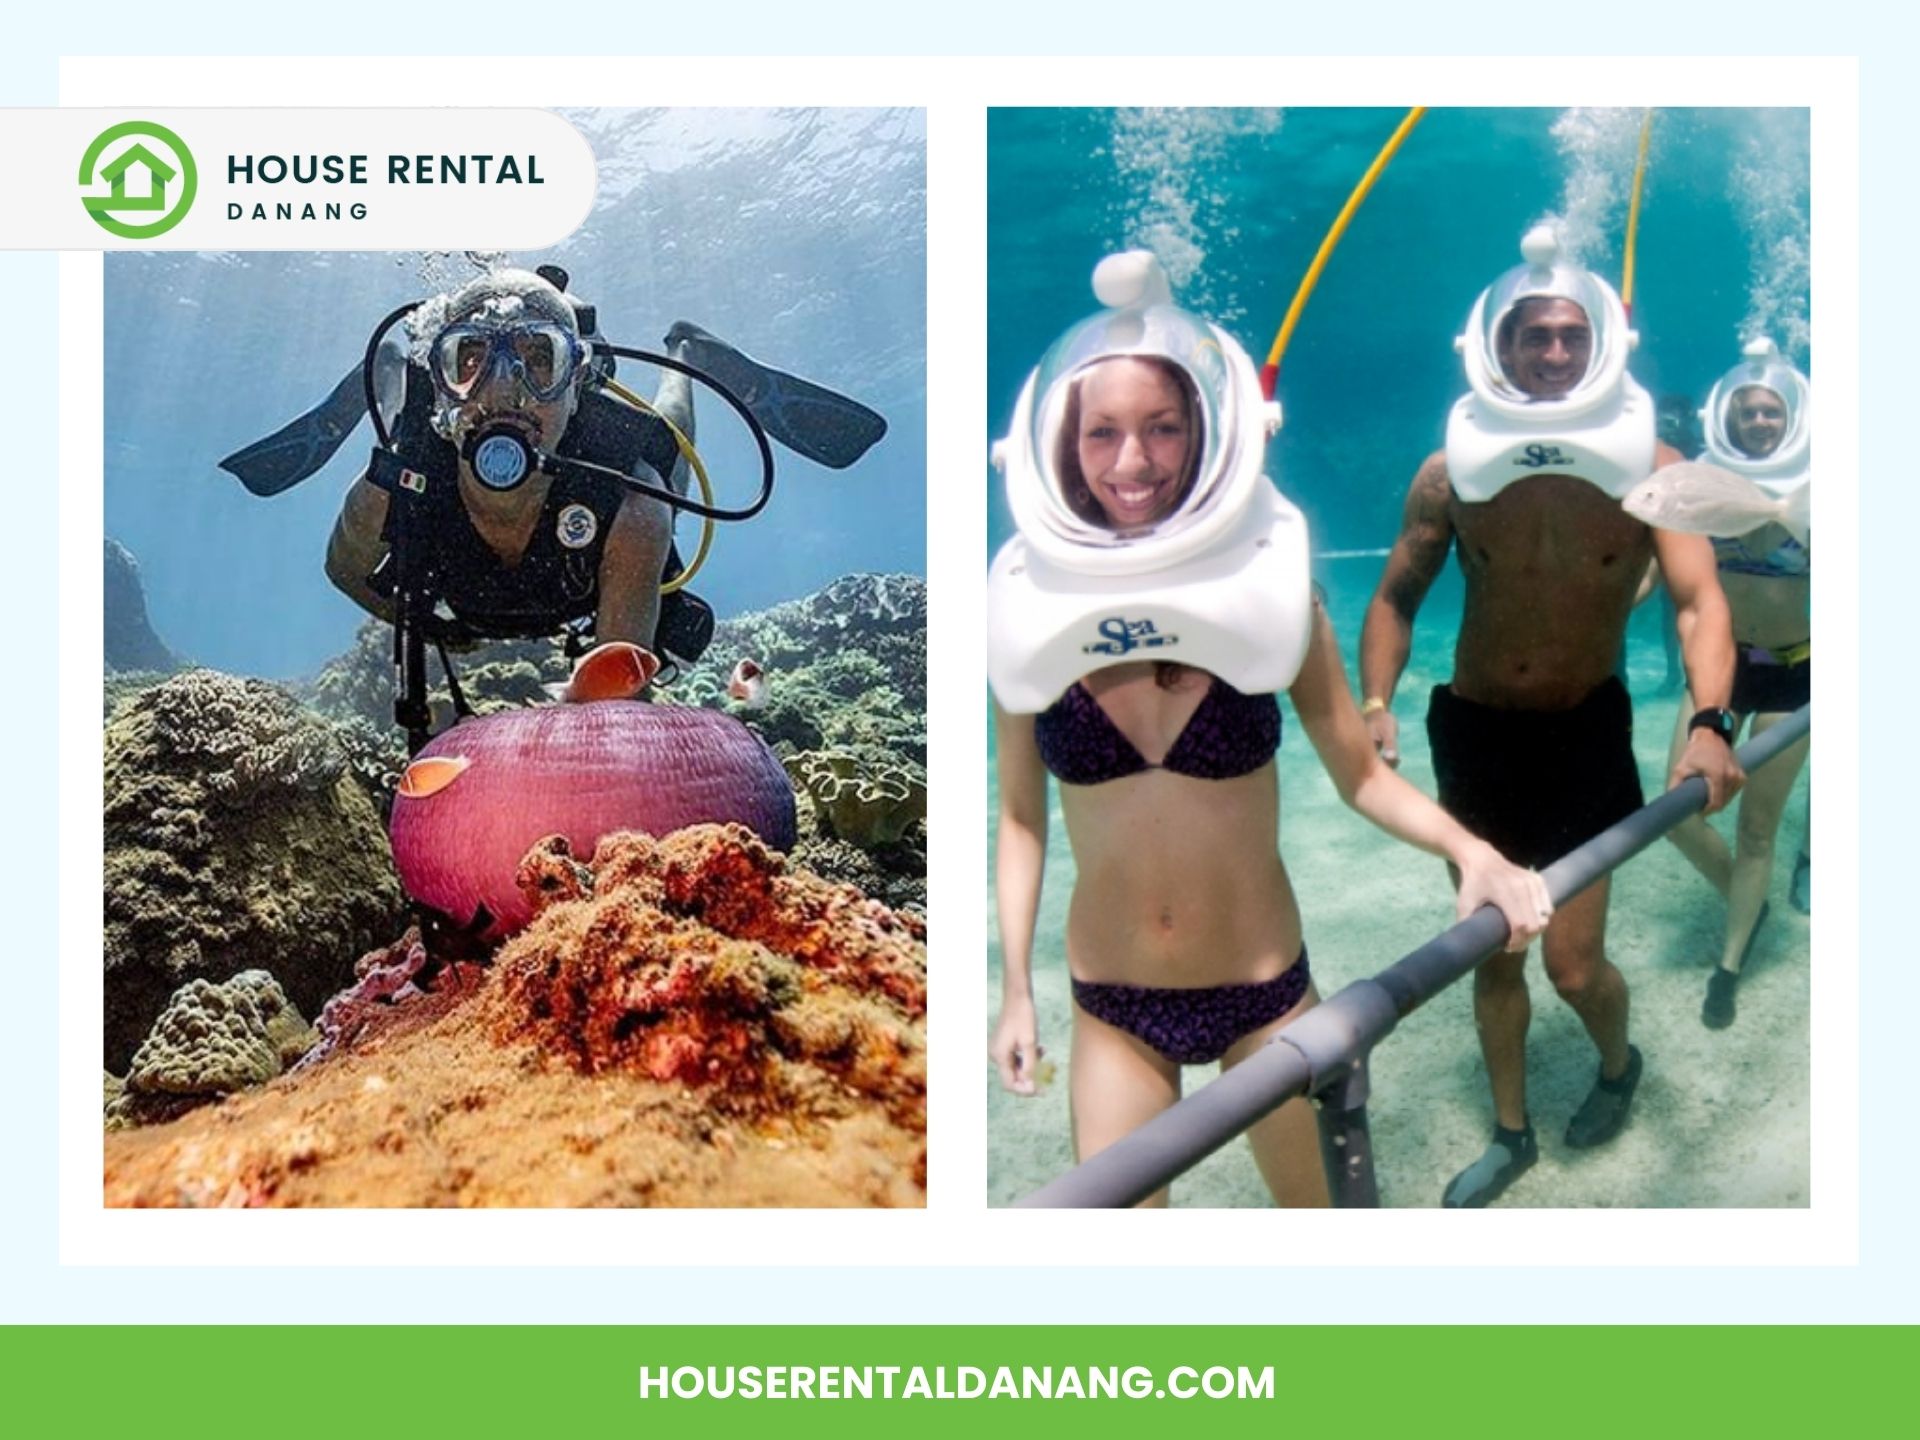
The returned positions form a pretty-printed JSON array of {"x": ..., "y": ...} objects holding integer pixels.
[{"x": 1324, "y": 1045}]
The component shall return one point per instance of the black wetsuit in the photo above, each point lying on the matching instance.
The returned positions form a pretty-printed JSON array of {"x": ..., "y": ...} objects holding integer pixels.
[{"x": 557, "y": 580}]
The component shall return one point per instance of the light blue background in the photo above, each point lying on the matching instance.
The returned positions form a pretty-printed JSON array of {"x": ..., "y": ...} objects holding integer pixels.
[{"x": 1884, "y": 1287}]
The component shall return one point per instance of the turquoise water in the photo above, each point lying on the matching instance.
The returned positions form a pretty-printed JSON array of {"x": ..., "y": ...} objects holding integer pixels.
[
  {"x": 799, "y": 235},
  {"x": 1235, "y": 203}
]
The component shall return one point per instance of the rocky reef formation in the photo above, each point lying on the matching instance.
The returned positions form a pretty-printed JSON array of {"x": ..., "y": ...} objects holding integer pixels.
[
  {"x": 702, "y": 959},
  {"x": 236, "y": 839},
  {"x": 130, "y": 640},
  {"x": 846, "y": 677},
  {"x": 846, "y": 669},
  {"x": 245, "y": 832},
  {"x": 399, "y": 984},
  {"x": 210, "y": 1041},
  {"x": 686, "y": 1021}
]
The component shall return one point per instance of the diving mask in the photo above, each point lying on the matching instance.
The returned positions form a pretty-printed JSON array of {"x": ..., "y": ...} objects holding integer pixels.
[{"x": 541, "y": 355}]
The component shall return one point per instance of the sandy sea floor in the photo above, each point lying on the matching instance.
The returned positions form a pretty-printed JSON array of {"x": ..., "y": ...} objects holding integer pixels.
[{"x": 1721, "y": 1118}]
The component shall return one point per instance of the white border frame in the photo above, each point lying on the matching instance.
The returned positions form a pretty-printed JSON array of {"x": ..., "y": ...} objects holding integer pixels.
[{"x": 956, "y": 1229}]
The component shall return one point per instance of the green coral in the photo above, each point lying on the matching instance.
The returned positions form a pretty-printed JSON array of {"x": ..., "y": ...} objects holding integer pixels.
[
  {"x": 241, "y": 738},
  {"x": 124, "y": 685},
  {"x": 870, "y": 808},
  {"x": 210, "y": 1041},
  {"x": 237, "y": 838},
  {"x": 496, "y": 675},
  {"x": 896, "y": 877},
  {"x": 846, "y": 670}
]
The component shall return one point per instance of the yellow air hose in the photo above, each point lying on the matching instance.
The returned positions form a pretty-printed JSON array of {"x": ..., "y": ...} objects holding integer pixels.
[
  {"x": 1270, "y": 372},
  {"x": 1633, "y": 213},
  {"x": 695, "y": 464}
]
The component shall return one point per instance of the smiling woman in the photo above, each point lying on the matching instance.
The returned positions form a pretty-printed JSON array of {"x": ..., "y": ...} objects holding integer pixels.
[
  {"x": 1183, "y": 937},
  {"x": 1130, "y": 444}
]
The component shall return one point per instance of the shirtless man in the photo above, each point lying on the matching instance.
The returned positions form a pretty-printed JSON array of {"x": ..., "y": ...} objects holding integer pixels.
[{"x": 1532, "y": 742}]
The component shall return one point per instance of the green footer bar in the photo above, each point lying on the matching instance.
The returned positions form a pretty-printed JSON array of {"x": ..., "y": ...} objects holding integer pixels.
[{"x": 913, "y": 1382}]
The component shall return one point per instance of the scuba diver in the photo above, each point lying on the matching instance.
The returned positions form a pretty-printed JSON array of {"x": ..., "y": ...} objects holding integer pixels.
[
  {"x": 518, "y": 491},
  {"x": 1759, "y": 425},
  {"x": 1156, "y": 598},
  {"x": 1532, "y": 741}
]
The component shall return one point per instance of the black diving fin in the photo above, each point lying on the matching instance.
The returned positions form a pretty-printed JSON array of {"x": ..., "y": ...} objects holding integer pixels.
[
  {"x": 808, "y": 419},
  {"x": 297, "y": 450}
]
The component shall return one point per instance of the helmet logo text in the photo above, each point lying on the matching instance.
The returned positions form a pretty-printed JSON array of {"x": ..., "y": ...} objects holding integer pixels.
[
  {"x": 1537, "y": 456},
  {"x": 1124, "y": 636}
]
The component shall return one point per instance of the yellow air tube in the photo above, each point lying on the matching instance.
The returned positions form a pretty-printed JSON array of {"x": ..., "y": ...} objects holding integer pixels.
[
  {"x": 1270, "y": 372},
  {"x": 695, "y": 464},
  {"x": 1633, "y": 213}
]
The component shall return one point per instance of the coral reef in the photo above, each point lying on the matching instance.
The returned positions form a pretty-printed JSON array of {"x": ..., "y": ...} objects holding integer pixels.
[
  {"x": 846, "y": 669},
  {"x": 385, "y": 981},
  {"x": 235, "y": 840},
  {"x": 702, "y": 959},
  {"x": 846, "y": 666},
  {"x": 494, "y": 675},
  {"x": 210, "y": 1041},
  {"x": 896, "y": 876},
  {"x": 130, "y": 641},
  {"x": 847, "y": 675},
  {"x": 869, "y": 809},
  {"x": 686, "y": 1022},
  {"x": 124, "y": 685}
]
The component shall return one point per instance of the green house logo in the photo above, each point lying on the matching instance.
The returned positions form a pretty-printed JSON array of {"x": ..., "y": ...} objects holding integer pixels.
[{"x": 152, "y": 177}]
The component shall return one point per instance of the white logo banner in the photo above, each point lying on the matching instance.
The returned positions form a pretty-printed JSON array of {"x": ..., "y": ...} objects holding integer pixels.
[{"x": 169, "y": 179}]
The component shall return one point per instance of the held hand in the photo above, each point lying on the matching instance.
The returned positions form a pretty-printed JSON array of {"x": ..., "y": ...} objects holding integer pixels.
[
  {"x": 1712, "y": 759},
  {"x": 1385, "y": 731},
  {"x": 1520, "y": 895},
  {"x": 1015, "y": 1048}
]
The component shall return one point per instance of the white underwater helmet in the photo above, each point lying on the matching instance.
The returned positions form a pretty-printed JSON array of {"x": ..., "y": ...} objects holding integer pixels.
[
  {"x": 1220, "y": 582},
  {"x": 1546, "y": 276},
  {"x": 1601, "y": 431},
  {"x": 1763, "y": 366},
  {"x": 1234, "y": 424}
]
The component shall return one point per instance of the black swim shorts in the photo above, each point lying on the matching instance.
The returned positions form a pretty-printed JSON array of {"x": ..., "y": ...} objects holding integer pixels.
[
  {"x": 1763, "y": 685},
  {"x": 1536, "y": 783}
]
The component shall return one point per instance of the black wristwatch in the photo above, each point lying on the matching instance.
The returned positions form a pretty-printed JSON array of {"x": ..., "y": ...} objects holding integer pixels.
[{"x": 1723, "y": 723}]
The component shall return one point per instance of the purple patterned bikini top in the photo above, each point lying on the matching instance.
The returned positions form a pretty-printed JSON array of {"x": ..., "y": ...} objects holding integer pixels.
[{"x": 1229, "y": 735}]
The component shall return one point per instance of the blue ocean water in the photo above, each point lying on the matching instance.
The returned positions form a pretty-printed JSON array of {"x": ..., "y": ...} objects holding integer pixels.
[
  {"x": 798, "y": 235},
  {"x": 1235, "y": 202}
]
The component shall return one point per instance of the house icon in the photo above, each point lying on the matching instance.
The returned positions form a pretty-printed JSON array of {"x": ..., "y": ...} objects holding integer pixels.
[
  {"x": 150, "y": 184},
  {"x": 159, "y": 175}
]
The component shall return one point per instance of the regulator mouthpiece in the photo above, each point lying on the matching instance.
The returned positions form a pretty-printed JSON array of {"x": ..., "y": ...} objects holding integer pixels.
[{"x": 499, "y": 456}]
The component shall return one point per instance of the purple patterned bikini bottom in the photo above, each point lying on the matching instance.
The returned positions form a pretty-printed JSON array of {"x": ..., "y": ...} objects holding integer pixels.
[{"x": 1194, "y": 1026}]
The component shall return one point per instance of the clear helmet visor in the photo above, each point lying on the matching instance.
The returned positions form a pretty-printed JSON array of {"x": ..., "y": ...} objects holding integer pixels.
[
  {"x": 1760, "y": 409},
  {"x": 1547, "y": 332},
  {"x": 1134, "y": 426},
  {"x": 1546, "y": 329}
]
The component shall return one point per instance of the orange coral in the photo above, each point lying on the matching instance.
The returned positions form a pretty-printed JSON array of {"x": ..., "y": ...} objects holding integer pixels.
[
  {"x": 726, "y": 878},
  {"x": 698, "y": 959}
]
